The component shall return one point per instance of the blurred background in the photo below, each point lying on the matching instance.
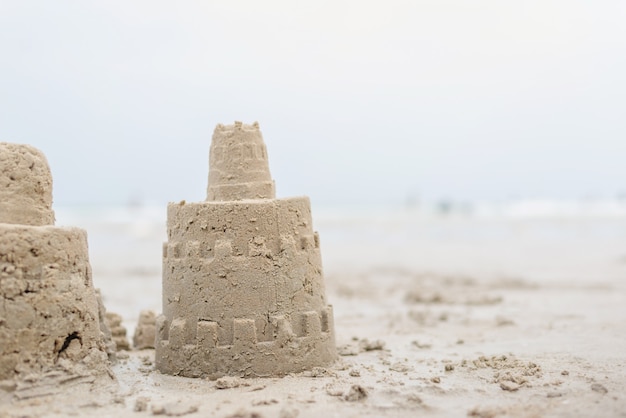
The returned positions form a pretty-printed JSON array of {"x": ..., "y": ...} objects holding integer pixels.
[
  {"x": 360, "y": 102},
  {"x": 390, "y": 115}
]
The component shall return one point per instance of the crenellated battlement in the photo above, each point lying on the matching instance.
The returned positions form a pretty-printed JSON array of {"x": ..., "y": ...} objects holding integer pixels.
[
  {"x": 206, "y": 339},
  {"x": 275, "y": 328},
  {"x": 257, "y": 246},
  {"x": 237, "y": 126}
]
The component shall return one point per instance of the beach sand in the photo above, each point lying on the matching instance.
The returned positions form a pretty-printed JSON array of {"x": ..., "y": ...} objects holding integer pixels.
[{"x": 434, "y": 316}]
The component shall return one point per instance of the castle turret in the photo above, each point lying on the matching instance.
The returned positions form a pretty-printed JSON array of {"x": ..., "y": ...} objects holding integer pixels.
[
  {"x": 238, "y": 165},
  {"x": 26, "y": 186},
  {"x": 243, "y": 290},
  {"x": 48, "y": 307}
]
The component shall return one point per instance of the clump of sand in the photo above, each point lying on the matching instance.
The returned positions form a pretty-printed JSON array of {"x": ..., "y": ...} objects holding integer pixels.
[{"x": 145, "y": 332}]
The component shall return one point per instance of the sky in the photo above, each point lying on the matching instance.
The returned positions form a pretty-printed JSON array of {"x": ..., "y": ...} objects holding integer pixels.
[{"x": 359, "y": 102}]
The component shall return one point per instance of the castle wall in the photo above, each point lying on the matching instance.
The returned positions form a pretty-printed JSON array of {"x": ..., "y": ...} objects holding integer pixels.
[
  {"x": 244, "y": 354},
  {"x": 218, "y": 252},
  {"x": 48, "y": 308}
]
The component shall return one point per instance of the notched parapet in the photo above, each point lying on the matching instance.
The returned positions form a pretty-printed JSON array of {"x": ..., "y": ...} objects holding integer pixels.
[{"x": 308, "y": 337}]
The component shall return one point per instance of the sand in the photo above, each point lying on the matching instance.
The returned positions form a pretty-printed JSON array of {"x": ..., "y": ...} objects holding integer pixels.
[
  {"x": 50, "y": 329},
  {"x": 445, "y": 317},
  {"x": 243, "y": 289},
  {"x": 26, "y": 186},
  {"x": 434, "y": 316}
]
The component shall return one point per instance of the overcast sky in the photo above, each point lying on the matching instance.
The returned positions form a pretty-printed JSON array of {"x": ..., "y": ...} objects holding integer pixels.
[{"x": 360, "y": 102}]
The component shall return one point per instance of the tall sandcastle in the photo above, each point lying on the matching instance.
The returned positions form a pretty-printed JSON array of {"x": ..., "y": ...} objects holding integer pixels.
[
  {"x": 48, "y": 308},
  {"x": 243, "y": 291}
]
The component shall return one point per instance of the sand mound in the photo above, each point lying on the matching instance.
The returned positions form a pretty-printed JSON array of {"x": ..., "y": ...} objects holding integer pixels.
[{"x": 49, "y": 320}]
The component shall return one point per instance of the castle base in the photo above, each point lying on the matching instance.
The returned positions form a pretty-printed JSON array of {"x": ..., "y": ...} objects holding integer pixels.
[
  {"x": 296, "y": 345},
  {"x": 48, "y": 307}
]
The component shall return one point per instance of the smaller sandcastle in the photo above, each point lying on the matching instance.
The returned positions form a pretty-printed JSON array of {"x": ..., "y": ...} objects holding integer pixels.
[
  {"x": 243, "y": 291},
  {"x": 48, "y": 307}
]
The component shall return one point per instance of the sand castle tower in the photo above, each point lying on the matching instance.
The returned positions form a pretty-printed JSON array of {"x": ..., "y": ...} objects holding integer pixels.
[
  {"x": 48, "y": 307},
  {"x": 243, "y": 291}
]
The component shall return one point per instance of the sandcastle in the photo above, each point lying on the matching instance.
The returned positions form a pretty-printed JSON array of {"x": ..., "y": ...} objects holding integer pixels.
[
  {"x": 243, "y": 291},
  {"x": 48, "y": 307}
]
